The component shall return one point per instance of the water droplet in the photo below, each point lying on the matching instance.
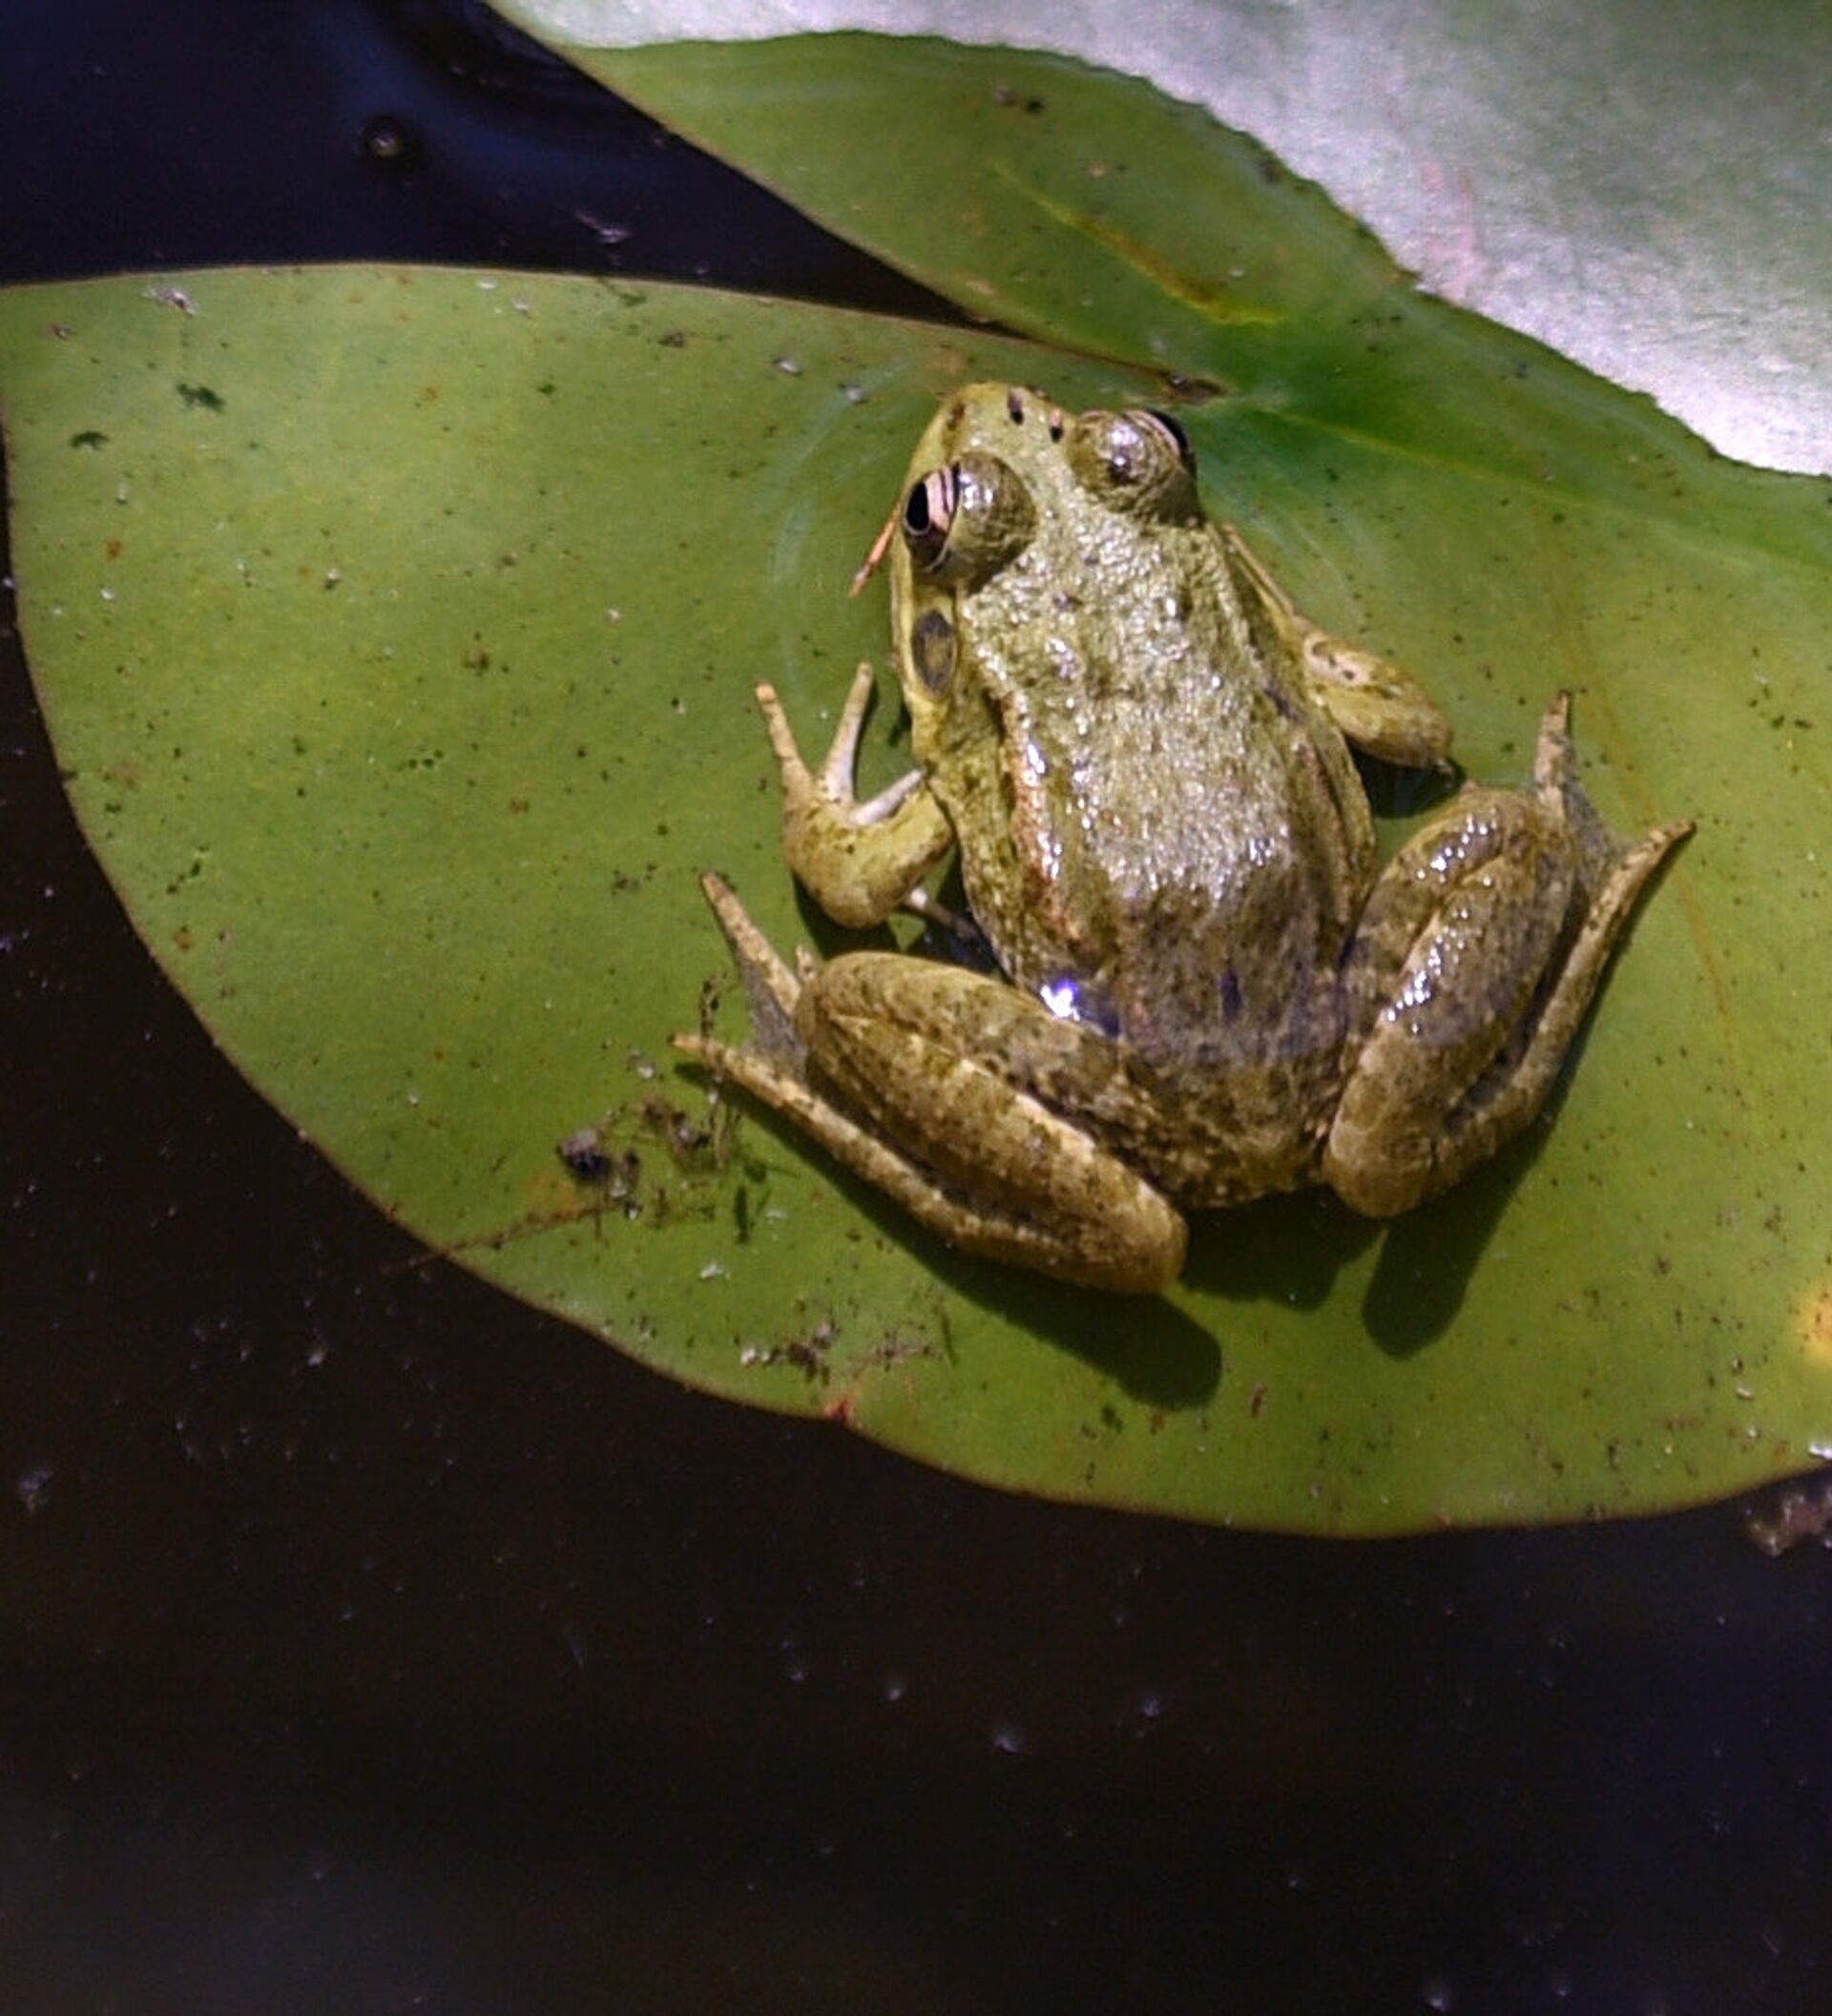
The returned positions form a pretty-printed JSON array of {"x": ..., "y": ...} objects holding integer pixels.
[
  {"x": 32, "y": 1486},
  {"x": 390, "y": 139}
]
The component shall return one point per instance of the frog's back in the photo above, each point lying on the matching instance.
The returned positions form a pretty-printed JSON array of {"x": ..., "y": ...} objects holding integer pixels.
[{"x": 1191, "y": 847}]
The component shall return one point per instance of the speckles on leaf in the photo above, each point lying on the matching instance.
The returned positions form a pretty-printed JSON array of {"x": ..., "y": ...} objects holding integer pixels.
[
  {"x": 1813, "y": 1324},
  {"x": 195, "y": 396},
  {"x": 807, "y": 1354},
  {"x": 583, "y": 1151}
]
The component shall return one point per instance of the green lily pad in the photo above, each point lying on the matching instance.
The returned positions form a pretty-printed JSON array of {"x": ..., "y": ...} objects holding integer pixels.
[
  {"x": 1470, "y": 133},
  {"x": 397, "y": 629}
]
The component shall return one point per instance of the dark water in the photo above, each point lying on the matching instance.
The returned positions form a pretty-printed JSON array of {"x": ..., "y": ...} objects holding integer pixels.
[{"x": 370, "y": 1644}]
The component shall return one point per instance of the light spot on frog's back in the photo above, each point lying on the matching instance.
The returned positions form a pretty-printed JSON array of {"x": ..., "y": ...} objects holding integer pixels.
[
  {"x": 1063, "y": 661},
  {"x": 1265, "y": 849},
  {"x": 1074, "y": 998}
]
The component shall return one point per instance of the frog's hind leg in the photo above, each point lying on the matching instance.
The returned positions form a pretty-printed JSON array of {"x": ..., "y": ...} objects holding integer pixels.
[
  {"x": 990, "y": 1167},
  {"x": 1479, "y": 953}
]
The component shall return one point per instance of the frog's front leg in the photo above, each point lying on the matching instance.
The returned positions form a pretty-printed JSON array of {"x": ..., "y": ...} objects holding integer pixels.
[
  {"x": 918, "y": 1109},
  {"x": 1375, "y": 704},
  {"x": 1475, "y": 960},
  {"x": 858, "y": 861}
]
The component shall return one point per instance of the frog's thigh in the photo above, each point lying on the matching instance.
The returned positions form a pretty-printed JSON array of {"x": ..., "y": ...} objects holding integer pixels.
[
  {"x": 1450, "y": 952},
  {"x": 977, "y": 1159}
]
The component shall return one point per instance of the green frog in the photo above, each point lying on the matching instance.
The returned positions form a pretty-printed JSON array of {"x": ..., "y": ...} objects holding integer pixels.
[{"x": 1209, "y": 988}]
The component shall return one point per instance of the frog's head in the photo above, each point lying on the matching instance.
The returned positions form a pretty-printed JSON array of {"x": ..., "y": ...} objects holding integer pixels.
[
  {"x": 1003, "y": 482},
  {"x": 996, "y": 455}
]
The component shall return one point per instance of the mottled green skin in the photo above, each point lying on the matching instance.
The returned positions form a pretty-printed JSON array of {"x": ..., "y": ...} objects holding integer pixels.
[{"x": 1155, "y": 811}]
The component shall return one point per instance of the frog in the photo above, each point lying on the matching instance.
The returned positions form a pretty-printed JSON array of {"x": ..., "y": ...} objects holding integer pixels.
[{"x": 1206, "y": 988}]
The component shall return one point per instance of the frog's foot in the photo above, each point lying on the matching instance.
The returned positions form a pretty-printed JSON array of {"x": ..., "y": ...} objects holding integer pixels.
[
  {"x": 984, "y": 1164},
  {"x": 771, "y": 989},
  {"x": 1475, "y": 961},
  {"x": 1375, "y": 704},
  {"x": 858, "y": 860},
  {"x": 1603, "y": 857}
]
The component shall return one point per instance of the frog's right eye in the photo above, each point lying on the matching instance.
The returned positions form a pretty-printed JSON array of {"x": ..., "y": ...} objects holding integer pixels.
[
  {"x": 963, "y": 522},
  {"x": 928, "y": 511},
  {"x": 1139, "y": 461},
  {"x": 1171, "y": 427}
]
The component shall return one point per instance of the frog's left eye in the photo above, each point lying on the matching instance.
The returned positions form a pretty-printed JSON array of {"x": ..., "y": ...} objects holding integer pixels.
[
  {"x": 962, "y": 523},
  {"x": 1139, "y": 461}
]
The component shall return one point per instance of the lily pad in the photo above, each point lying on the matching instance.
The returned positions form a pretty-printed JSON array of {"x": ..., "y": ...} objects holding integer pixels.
[
  {"x": 396, "y": 630},
  {"x": 1469, "y": 134}
]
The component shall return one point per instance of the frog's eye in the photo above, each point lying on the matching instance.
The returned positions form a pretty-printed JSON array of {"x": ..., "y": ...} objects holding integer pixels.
[
  {"x": 964, "y": 522},
  {"x": 928, "y": 511},
  {"x": 1138, "y": 462},
  {"x": 1173, "y": 427}
]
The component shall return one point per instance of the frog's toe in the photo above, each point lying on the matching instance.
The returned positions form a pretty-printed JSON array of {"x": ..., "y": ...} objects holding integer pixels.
[
  {"x": 770, "y": 987},
  {"x": 858, "y": 858}
]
